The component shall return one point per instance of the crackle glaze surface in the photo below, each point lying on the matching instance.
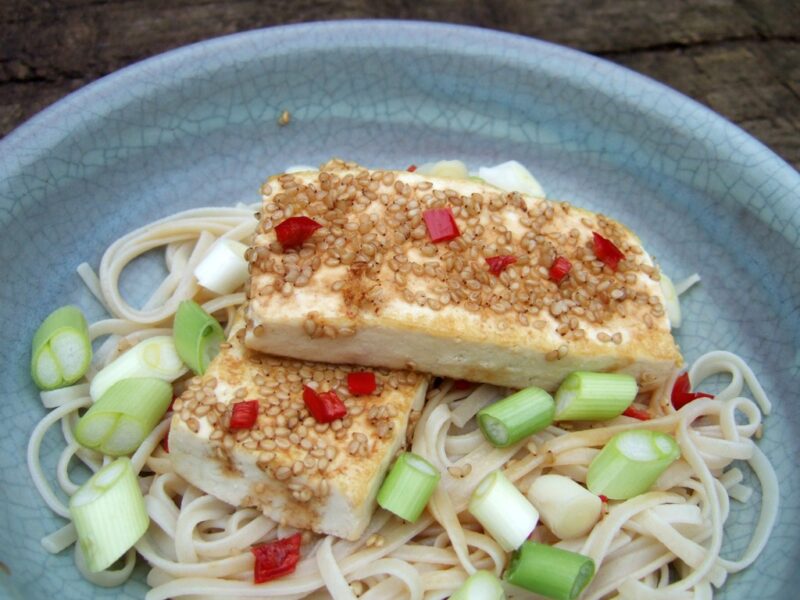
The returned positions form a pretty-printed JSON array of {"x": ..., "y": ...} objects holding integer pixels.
[{"x": 198, "y": 126}]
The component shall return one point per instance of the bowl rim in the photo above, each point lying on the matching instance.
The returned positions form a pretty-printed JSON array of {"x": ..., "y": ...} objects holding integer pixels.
[{"x": 55, "y": 121}]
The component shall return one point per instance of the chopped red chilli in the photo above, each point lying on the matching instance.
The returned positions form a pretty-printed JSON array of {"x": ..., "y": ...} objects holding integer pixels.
[
  {"x": 325, "y": 407},
  {"x": 682, "y": 394},
  {"x": 498, "y": 264},
  {"x": 411, "y": 168},
  {"x": 293, "y": 231},
  {"x": 603, "y": 499},
  {"x": 606, "y": 251},
  {"x": 244, "y": 414},
  {"x": 462, "y": 384},
  {"x": 361, "y": 383},
  {"x": 165, "y": 441},
  {"x": 276, "y": 559},
  {"x": 637, "y": 413},
  {"x": 560, "y": 269},
  {"x": 441, "y": 224}
]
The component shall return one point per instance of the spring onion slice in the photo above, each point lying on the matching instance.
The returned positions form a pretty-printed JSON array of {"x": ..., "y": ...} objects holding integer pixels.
[
  {"x": 153, "y": 357},
  {"x": 481, "y": 585},
  {"x": 503, "y": 511},
  {"x": 567, "y": 508},
  {"x": 224, "y": 268},
  {"x": 300, "y": 169},
  {"x": 408, "y": 486},
  {"x": 452, "y": 169},
  {"x": 549, "y": 571},
  {"x": 585, "y": 396},
  {"x": 197, "y": 336},
  {"x": 630, "y": 463},
  {"x": 124, "y": 416},
  {"x": 671, "y": 301},
  {"x": 521, "y": 414},
  {"x": 61, "y": 349},
  {"x": 109, "y": 514},
  {"x": 512, "y": 177}
]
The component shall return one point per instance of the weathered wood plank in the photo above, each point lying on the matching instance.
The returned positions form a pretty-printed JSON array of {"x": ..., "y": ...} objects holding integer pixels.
[{"x": 741, "y": 58}]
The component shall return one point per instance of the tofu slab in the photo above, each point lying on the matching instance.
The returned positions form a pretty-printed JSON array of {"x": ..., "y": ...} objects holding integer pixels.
[
  {"x": 321, "y": 477},
  {"x": 370, "y": 287}
]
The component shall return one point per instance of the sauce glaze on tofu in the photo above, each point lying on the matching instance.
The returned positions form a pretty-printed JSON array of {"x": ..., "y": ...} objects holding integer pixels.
[
  {"x": 371, "y": 287},
  {"x": 304, "y": 474}
]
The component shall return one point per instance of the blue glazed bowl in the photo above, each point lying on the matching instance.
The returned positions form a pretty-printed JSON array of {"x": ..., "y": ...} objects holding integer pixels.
[{"x": 198, "y": 126}]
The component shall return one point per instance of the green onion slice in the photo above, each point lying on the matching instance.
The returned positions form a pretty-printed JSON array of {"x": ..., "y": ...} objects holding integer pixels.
[
  {"x": 585, "y": 396},
  {"x": 109, "y": 514},
  {"x": 630, "y": 463},
  {"x": 153, "y": 357},
  {"x": 503, "y": 511},
  {"x": 481, "y": 585},
  {"x": 61, "y": 349},
  {"x": 224, "y": 269},
  {"x": 408, "y": 486},
  {"x": 549, "y": 571},
  {"x": 197, "y": 336},
  {"x": 124, "y": 416},
  {"x": 522, "y": 414}
]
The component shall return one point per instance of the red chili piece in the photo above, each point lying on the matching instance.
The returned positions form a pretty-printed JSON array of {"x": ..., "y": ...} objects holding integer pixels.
[
  {"x": 682, "y": 394},
  {"x": 292, "y": 232},
  {"x": 636, "y": 413},
  {"x": 560, "y": 269},
  {"x": 603, "y": 499},
  {"x": 462, "y": 384},
  {"x": 441, "y": 224},
  {"x": 323, "y": 406},
  {"x": 411, "y": 168},
  {"x": 361, "y": 383},
  {"x": 276, "y": 559},
  {"x": 165, "y": 440},
  {"x": 498, "y": 264},
  {"x": 244, "y": 414},
  {"x": 606, "y": 251}
]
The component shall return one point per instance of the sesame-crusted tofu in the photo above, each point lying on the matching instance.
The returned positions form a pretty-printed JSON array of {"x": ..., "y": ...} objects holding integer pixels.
[
  {"x": 304, "y": 474},
  {"x": 371, "y": 286}
]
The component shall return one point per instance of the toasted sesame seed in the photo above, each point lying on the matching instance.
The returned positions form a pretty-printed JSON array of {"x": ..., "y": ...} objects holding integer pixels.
[{"x": 265, "y": 457}]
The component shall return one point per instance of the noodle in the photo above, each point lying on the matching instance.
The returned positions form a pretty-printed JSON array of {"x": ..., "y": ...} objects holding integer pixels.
[{"x": 199, "y": 547}]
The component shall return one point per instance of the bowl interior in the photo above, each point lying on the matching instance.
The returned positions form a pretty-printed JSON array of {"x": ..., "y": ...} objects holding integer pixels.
[{"x": 199, "y": 127}]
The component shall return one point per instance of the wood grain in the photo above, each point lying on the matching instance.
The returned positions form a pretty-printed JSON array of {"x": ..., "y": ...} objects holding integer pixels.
[{"x": 741, "y": 58}]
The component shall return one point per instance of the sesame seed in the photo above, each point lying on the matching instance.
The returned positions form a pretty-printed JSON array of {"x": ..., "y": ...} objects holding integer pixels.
[{"x": 266, "y": 457}]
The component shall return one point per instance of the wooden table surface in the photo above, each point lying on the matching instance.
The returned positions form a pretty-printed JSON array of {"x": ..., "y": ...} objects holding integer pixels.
[{"x": 741, "y": 58}]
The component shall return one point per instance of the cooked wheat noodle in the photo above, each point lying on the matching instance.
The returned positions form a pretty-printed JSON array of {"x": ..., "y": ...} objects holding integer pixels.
[{"x": 199, "y": 547}]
